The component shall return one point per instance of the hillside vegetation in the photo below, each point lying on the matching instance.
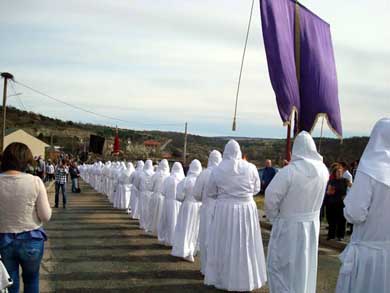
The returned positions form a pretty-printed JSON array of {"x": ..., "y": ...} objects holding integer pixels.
[{"x": 74, "y": 136}]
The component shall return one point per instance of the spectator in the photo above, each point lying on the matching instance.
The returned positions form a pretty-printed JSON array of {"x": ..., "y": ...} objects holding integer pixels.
[
  {"x": 40, "y": 168},
  {"x": 336, "y": 192},
  {"x": 74, "y": 176},
  {"x": 24, "y": 206},
  {"x": 346, "y": 174},
  {"x": 60, "y": 179},
  {"x": 267, "y": 176},
  {"x": 49, "y": 171}
]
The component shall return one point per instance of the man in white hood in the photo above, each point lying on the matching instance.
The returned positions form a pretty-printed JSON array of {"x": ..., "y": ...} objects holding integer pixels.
[
  {"x": 366, "y": 259},
  {"x": 208, "y": 204},
  {"x": 293, "y": 201}
]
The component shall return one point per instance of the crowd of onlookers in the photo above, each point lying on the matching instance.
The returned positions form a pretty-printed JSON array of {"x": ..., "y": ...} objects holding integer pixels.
[{"x": 340, "y": 181}]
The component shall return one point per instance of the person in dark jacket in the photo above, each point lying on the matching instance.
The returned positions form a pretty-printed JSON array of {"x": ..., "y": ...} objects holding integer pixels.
[
  {"x": 74, "y": 176},
  {"x": 269, "y": 173},
  {"x": 334, "y": 202}
]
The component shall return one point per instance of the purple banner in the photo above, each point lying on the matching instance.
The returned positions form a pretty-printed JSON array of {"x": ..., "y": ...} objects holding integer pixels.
[{"x": 318, "y": 90}]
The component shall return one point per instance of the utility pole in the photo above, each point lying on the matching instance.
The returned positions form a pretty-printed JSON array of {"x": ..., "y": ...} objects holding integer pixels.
[
  {"x": 6, "y": 76},
  {"x": 185, "y": 145}
]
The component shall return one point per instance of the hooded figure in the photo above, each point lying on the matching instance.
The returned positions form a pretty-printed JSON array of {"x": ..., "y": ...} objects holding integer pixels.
[
  {"x": 166, "y": 227},
  {"x": 145, "y": 192},
  {"x": 117, "y": 188},
  {"x": 207, "y": 207},
  {"x": 123, "y": 198},
  {"x": 105, "y": 173},
  {"x": 235, "y": 254},
  {"x": 185, "y": 241},
  {"x": 134, "y": 199},
  {"x": 157, "y": 200},
  {"x": 366, "y": 259},
  {"x": 293, "y": 201}
]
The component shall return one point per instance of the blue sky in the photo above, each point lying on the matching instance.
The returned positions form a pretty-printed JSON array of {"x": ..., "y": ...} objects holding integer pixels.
[{"x": 157, "y": 64}]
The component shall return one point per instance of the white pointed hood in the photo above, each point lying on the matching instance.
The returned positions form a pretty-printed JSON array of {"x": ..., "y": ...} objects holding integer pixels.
[
  {"x": 215, "y": 159},
  {"x": 163, "y": 167},
  {"x": 177, "y": 171},
  {"x": 148, "y": 168},
  {"x": 195, "y": 168},
  {"x": 305, "y": 156},
  {"x": 375, "y": 161},
  {"x": 140, "y": 166},
  {"x": 231, "y": 159}
]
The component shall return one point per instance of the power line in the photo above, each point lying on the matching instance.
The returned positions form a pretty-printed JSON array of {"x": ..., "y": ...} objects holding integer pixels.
[
  {"x": 89, "y": 111},
  {"x": 17, "y": 96}
]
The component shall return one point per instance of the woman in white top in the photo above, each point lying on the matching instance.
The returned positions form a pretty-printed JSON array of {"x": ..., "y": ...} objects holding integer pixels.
[
  {"x": 185, "y": 241},
  {"x": 24, "y": 206},
  {"x": 366, "y": 259},
  {"x": 235, "y": 254},
  {"x": 167, "y": 225}
]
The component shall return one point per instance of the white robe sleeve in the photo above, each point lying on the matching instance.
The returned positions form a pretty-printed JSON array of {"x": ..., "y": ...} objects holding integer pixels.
[
  {"x": 257, "y": 182},
  {"x": 358, "y": 200},
  {"x": 180, "y": 191},
  {"x": 275, "y": 193},
  {"x": 211, "y": 187},
  {"x": 198, "y": 188}
]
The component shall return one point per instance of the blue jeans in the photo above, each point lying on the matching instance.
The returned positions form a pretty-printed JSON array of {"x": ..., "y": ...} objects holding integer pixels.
[
  {"x": 57, "y": 195},
  {"x": 27, "y": 254},
  {"x": 74, "y": 184}
]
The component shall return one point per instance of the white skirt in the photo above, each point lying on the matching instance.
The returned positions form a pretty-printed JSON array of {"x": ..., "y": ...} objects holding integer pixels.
[
  {"x": 144, "y": 208},
  {"x": 185, "y": 241},
  {"x": 155, "y": 211},
  {"x": 123, "y": 198},
  {"x": 134, "y": 203},
  {"x": 167, "y": 225},
  {"x": 206, "y": 215},
  {"x": 235, "y": 253}
]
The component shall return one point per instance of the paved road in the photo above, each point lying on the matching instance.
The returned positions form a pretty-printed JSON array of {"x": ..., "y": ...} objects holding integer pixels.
[{"x": 95, "y": 248}]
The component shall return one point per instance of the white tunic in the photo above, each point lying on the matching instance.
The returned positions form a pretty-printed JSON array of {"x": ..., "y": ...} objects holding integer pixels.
[
  {"x": 207, "y": 207},
  {"x": 185, "y": 241},
  {"x": 366, "y": 259},
  {"x": 145, "y": 192},
  {"x": 157, "y": 199},
  {"x": 235, "y": 253},
  {"x": 134, "y": 200},
  {"x": 293, "y": 201},
  {"x": 167, "y": 225}
]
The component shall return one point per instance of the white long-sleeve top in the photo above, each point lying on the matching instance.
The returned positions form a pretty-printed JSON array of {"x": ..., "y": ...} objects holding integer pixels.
[
  {"x": 367, "y": 207},
  {"x": 291, "y": 192}
]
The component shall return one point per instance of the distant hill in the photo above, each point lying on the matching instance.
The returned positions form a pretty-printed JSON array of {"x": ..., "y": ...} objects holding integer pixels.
[{"x": 72, "y": 136}]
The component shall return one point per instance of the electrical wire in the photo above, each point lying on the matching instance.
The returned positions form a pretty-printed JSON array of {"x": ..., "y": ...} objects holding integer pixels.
[{"x": 89, "y": 111}]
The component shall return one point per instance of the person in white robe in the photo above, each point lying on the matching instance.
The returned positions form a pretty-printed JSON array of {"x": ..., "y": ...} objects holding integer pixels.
[
  {"x": 166, "y": 227},
  {"x": 207, "y": 207},
  {"x": 157, "y": 200},
  {"x": 145, "y": 192},
  {"x": 134, "y": 199},
  {"x": 117, "y": 174},
  {"x": 235, "y": 253},
  {"x": 293, "y": 202},
  {"x": 106, "y": 173},
  {"x": 185, "y": 241},
  {"x": 123, "y": 201},
  {"x": 366, "y": 259}
]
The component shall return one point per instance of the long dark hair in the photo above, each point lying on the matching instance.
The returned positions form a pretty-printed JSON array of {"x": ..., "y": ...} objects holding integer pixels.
[{"x": 16, "y": 157}]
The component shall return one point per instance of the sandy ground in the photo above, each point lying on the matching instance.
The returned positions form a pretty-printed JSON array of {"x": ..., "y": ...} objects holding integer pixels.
[{"x": 95, "y": 248}]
